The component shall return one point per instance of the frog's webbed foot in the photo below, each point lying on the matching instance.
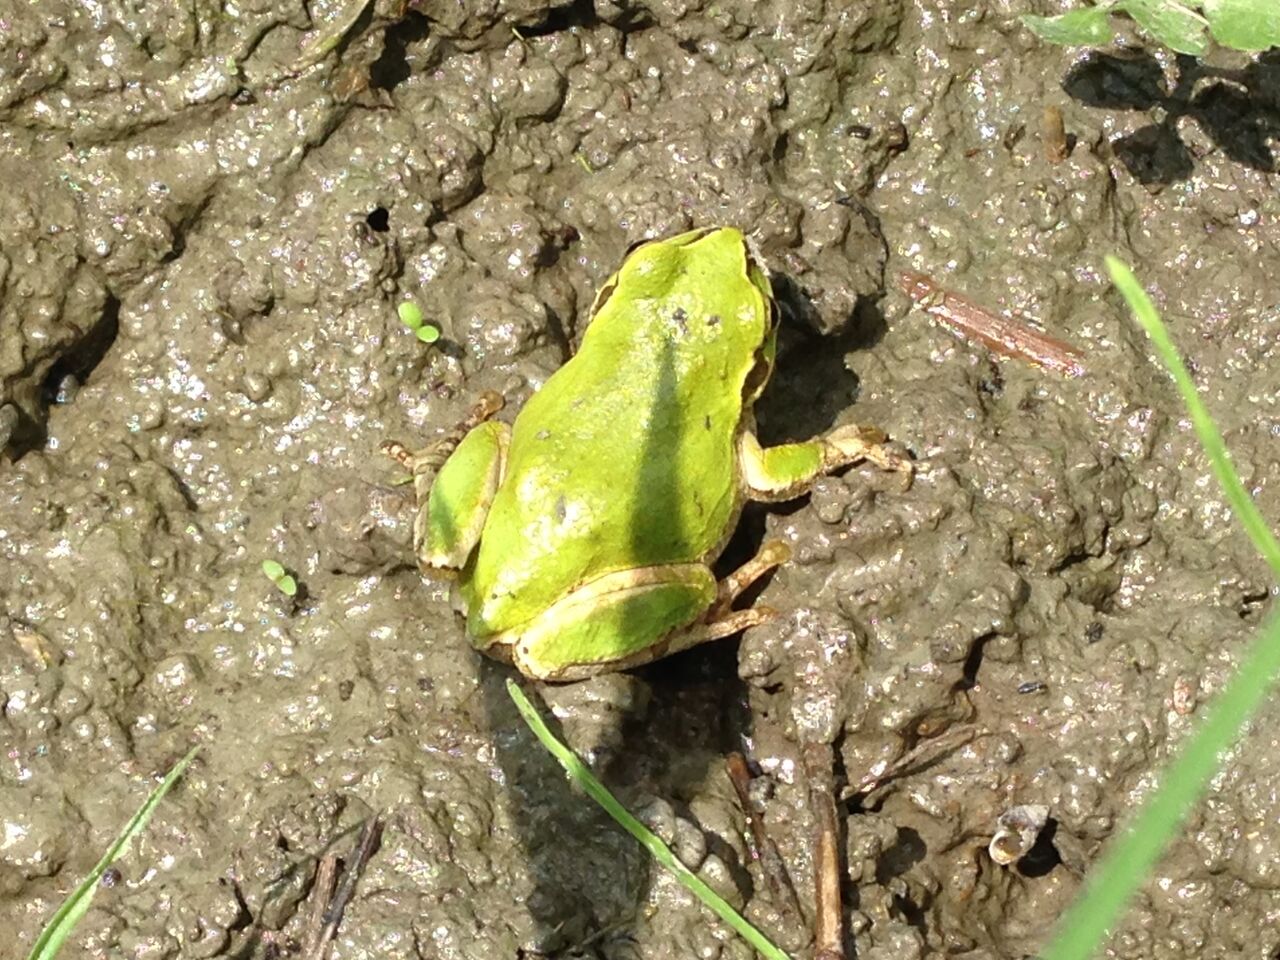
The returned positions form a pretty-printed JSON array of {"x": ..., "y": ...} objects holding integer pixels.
[
  {"x": 427, "y": 461},
  {"x": 851, "y": 443}
]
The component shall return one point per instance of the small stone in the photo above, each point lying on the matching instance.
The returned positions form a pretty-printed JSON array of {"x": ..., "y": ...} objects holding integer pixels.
[{"x": 256, "y": 386}]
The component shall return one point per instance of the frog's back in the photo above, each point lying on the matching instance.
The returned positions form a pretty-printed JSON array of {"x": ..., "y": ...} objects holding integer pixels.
[{"x": 626, "y": 457}]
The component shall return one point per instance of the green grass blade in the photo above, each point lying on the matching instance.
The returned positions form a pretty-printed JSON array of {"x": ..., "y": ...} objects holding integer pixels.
[
  {"x": 1115, "y": 878},
  {"x": 1242, "y": 504},
  {"x": 1130, "y": 858},
  {"x": 580, "y": 774},
  {"x": 64, "y": 920}
]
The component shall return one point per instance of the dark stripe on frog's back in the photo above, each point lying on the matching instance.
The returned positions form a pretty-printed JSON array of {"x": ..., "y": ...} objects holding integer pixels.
[{"x": 652, "y": 446}]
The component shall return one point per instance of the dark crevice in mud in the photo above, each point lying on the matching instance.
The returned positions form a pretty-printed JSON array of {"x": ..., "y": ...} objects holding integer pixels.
[
  {"x": 908, "y": 850},
  {"x": 973, "y": 663},
  {"x": 244, "y": 916},
  {"x": 183, "y": 489},
  {"x": 392, "y": 66},
  {"x": 68, "y": 372},
  {"x": 378, "y": 219},
  {"x": 81, "y": 359},
  {"x": 1043, "y": 857},
  {"x": 1232, "y": 107},
  {"x": 580, "y": 14},
  {"x": 182, "y": 229},
  {"x": 911, "y": 912},
  {"x": 780, "y": 146},
  {"x": 1252, "y": 604}
]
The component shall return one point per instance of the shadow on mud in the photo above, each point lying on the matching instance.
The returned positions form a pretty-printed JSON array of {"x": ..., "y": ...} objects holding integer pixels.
[
  {"x": 673, "y": 721},
  {"x": 1238, "y": 110}
]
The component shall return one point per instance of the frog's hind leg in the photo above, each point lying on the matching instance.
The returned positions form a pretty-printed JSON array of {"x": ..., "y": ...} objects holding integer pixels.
[
  {"x": 721, "y": 621},
  {"x": 617, "y": 621},
  {"x": 454, "y": 480}
]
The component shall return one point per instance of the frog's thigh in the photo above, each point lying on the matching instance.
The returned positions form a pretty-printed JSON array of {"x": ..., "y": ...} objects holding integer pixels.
[
  {"x": 447, "y": 530},
  {"x": 620, "y": 620},
  {"x": 788, "y": 470}
]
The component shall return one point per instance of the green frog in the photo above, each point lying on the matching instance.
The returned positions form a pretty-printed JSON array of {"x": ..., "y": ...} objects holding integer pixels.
[{"x": 582, "y": 536}]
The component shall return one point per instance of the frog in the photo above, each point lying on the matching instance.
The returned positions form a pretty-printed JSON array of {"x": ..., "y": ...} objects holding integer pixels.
[{"x": 581, "y": 537}]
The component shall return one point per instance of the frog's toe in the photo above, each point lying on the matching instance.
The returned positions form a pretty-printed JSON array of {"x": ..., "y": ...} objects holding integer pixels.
[{"x": 735, "y": 621}]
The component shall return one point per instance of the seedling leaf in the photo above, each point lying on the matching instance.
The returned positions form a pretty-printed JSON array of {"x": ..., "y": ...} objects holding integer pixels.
[
  {"x": 427, "y": 333},
  {"x": 410, "y": 314},
  {"x": 1171, "y": 23},
  {"x": 1178, "y": 24},
  {"x": 288, "y": 586},
  {"x": 273, "y": 569}
]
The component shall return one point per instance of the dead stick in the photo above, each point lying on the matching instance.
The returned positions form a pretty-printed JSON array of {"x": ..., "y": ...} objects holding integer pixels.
[
  {"x": 762, "y": 848},
  {"x": 370, "y": 833},
  {"x": 321, "y": 892},
  {"x": 1000, "y": 334},
  {"x": 828, "y": 935}
]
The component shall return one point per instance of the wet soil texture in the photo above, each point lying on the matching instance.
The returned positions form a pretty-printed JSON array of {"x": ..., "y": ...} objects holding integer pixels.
[{"x": 210, "y": 214}]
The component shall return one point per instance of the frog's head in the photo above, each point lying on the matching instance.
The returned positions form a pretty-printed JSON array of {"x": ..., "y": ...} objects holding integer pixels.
[{"x": 704, "y": 294}]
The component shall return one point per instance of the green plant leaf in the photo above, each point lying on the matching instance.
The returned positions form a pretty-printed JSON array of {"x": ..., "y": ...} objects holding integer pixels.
[
  {"x": 1244, "y": 24},
  {"x": 65, "y": 918},
  {"x": 410, "y": 314},
  {"x": 1176, "y": 26},
  {"x": 1088, "y": 27},
  {"x": 288, "y": 586},
  {"x": 427, "y": 333},
  {"x": 273, "y": 569}
]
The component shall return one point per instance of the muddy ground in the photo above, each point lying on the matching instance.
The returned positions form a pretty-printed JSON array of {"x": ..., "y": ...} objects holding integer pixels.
[{"x": 210, "y": 213}]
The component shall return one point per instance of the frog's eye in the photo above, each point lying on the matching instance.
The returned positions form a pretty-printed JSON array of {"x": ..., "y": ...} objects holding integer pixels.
[{"x": 636, "y": 246}]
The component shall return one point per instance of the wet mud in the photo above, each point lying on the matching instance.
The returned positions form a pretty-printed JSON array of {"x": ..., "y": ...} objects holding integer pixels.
[{"x": 210, "y": 216}]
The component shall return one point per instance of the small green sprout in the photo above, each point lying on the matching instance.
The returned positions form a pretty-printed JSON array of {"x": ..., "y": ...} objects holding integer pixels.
[
  {"x": 277, "y": 574},
  {"x": 411, "y": 316}
]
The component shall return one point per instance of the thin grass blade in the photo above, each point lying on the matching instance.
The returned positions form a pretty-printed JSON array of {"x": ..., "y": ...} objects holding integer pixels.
[
  {"x": 1238, "y": 498},
  {"x": 580, "y": 774},
  {"x": 1129, "y": 860},
  {"x": 64, "y": 920}
]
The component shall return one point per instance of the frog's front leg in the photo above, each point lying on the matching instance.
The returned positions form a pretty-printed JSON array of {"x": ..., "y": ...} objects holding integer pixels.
[
  {"x": 454, "y": 480},
  {"x": 788, "y": 470}
]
